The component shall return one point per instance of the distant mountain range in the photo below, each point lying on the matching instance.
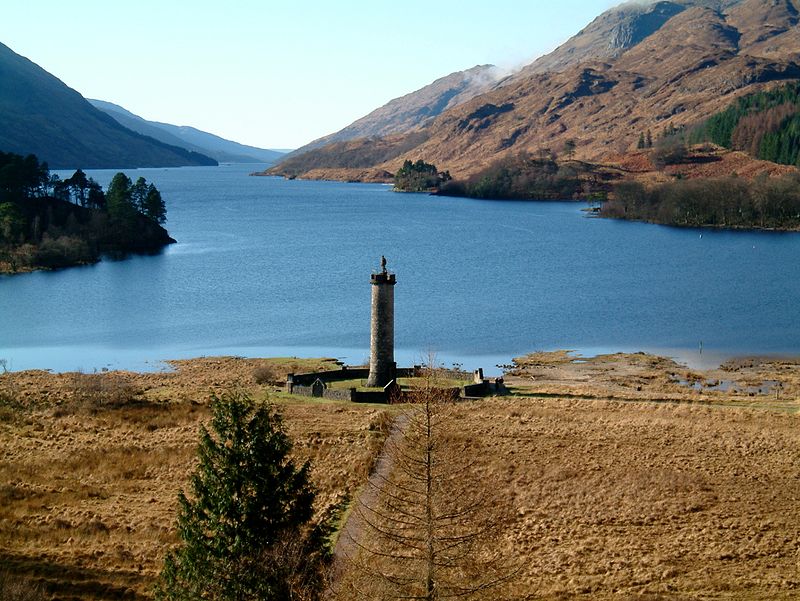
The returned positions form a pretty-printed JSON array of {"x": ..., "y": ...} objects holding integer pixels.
[
  {"x": 637, "y": 67},
  {"x": 40, "y": 115},
  {"x": 224, "y": 151}
]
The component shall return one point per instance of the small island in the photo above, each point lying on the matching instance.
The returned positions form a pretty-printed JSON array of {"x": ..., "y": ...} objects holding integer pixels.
[
  {"x": 419, "y": 177},
  {"x": 50, "y": 223}
]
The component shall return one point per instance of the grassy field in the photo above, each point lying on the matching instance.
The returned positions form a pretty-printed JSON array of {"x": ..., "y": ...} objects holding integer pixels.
[
  {"x": 90, "y": 466},
  {"x": 619, "y": 500},
  {"x": 619, "y": 478}
]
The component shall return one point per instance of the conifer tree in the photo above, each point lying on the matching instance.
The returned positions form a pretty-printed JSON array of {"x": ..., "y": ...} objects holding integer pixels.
[
  {"x": 79, "y": 184},
  {"x": 246, "y": 530},
  {"x": 118, "y": 197},
  {"x": 96, "y": 198},
  {"x": 153, "y": 206},
  {"x": 138, "y": 194}
]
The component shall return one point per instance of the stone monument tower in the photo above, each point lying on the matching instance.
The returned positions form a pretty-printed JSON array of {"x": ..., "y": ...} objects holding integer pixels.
[{"x": 381, "y": 340}]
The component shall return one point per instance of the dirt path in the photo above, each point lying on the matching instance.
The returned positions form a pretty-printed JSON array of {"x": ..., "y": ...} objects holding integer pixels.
[{"x": 347, "y": 545}]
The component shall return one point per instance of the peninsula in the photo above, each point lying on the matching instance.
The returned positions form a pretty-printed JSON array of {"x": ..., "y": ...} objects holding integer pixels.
[{"x": 49, "y": 223}]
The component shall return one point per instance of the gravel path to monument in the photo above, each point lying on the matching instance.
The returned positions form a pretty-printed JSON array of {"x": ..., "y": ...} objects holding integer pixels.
[{"x": 347, "y": 545}]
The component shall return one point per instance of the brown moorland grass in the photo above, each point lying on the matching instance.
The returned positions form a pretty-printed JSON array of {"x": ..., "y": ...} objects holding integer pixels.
[
  {"x": 90, "y": 467},
  {"x": 620, "y": 500},
  {"x": 683, "y": 494}
]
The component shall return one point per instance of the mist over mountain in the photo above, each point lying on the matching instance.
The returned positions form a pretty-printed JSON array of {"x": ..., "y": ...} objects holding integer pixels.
[
  {"x": 416, "y": 109},
  {"x": 218, "y": 148},
  {"x": 40, "y": 115}
]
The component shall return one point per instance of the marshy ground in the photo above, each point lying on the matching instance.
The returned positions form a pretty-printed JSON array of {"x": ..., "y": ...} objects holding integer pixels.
[{"x": 621, "y": 476}]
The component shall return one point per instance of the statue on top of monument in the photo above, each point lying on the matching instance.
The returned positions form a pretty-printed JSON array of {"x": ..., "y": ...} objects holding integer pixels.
[{"x": 383, "y": 264}]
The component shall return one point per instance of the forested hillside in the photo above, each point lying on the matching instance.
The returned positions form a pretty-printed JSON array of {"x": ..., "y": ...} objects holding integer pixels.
[{"x": 765, "y": 124}]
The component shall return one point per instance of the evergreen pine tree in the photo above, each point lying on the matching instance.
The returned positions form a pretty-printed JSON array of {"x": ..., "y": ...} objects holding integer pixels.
[
  {"x": 80, "y": 185},
  {"x": 153, "y": 206},
  {"x": 96, "y": 198},
  {"x": 641, "y": 142},
  {"x": 246, "y": 531},
  {"x": 118, "y": 198},
  {"x": 138, "y": 192}
]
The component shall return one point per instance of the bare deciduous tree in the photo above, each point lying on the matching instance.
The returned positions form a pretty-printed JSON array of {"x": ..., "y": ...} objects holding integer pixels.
[{"x": 422, "y": 530}]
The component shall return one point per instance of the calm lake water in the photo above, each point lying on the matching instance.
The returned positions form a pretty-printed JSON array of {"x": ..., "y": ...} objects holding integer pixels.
[{"x": 268, "y": 267}]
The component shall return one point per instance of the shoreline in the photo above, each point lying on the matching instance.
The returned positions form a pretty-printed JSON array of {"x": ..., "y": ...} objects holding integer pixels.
[
  {"x": 691, "y": 359},
  {"x": 745, "y": 382},
  {"x": 706, "y": 227},
  {"x": 6, "y": 270}
]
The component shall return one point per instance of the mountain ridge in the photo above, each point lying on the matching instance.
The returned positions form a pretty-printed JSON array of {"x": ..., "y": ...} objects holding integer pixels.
[
  {"x": 191, "y": 138},
  {"x": 615, "y": 31}
]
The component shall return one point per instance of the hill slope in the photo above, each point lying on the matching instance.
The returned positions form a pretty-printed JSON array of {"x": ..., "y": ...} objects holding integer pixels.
[
  {"x": 40, "y": 115},
  {"x": 220, "y": 149},
  {"x": 414, "y": 110},
  {"x": 614, "y": 32},
  {"x": 671, "y": 64}
]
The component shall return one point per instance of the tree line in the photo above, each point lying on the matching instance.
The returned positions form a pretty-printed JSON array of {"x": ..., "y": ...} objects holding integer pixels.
[
  {"x": 124, "y": 198},
  {"x": 47, "y": 222},
  {"x": 722, "y": 202},
  {"x": 526, "y": 176}
]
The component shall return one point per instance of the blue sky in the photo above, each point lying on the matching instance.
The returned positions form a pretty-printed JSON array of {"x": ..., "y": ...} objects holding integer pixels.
[{"x": 277, "y": 74}]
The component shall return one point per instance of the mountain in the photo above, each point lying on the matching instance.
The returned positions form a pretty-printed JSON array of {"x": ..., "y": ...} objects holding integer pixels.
[
  {"x": 224, "y": 151},
  {"x": 638, "y": 67},
  {"x": 40, "y": 115},
  {"x": 414, "y": 110},
  {"x": 615, "y": 31}
]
